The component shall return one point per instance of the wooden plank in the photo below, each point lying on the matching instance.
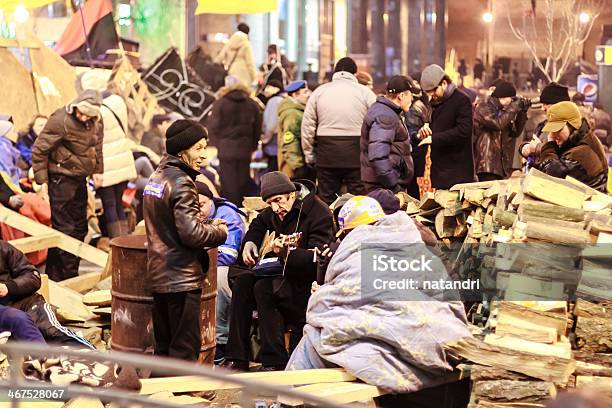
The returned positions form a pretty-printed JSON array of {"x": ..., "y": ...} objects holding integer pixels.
[
  {"x": 556, "y": 234},
  {"x": 584, "y": 308},
  {"x": 98, "y": 298},
  {"x": 514, "y": 391},
  {"x": 546, "y": 210},
  {"x": 544, "y": 319},
  {"x": 583, "y": 380},
  {"x": 36, "y": 243},
  {"x": 68, "y": 300},
  {"x": 44, "y": 286},
  {"x": 562, "y": 350},
  {"x": 195, "y": 383},
  {"x": 589, "y": 369},
  {"x": 82, "y": 283},
  {"x": 67, "y": 243},
  {"x": 594, "y": 334},
  {"x": 342, "y": 392}
]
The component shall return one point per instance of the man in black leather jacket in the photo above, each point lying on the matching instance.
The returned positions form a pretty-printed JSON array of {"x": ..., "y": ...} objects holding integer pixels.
[{"x": 178, "y": 235}]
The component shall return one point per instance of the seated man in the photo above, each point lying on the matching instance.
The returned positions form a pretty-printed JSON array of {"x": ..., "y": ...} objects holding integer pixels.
[
  {"x": 24, "y": 312},
  {"x": 215, "y": 207},
  {"x": 280, "y": 295}
]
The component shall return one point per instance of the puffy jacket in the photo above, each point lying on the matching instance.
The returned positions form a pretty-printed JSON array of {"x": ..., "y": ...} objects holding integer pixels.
[
  {"x": 177, "y": 233},
  {"x": 332, "y": 122},
  {"x": 9, "y": 159},
  {"x": 385, "y": 147},
  {"x": 235, "y": 123},
  {"x": 495, "y": 133},
  {"x": 17, "y": 273},
  {"x": 312, "y": 218},
  {"x": 290, "y": 155},
  {"x": 68, "y": 146},
  {"x": 581, "y": 156},
  {"x": 118, "y": 158},
  {"x": 238, "y": 49},
  {"x": 227, "y": 211}
]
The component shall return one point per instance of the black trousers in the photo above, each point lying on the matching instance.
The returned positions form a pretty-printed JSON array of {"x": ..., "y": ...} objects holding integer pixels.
[
  {"x": 176, "y": 324},
  {"x": 279, "y": 304},
  {"x": 331, "y": 179},
  {"x": 489, "y": 177},
  {"x": 234, "y": 175},
  {"x": 68, "y": 196}
]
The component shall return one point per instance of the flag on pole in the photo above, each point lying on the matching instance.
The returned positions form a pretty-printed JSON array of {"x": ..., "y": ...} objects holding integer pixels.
[
  {"x": 93, "y": 25},
  {"x": 235, "y": 6}
]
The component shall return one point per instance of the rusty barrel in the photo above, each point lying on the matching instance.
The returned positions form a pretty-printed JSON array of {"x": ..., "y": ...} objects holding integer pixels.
[
  {"x": 131, "y": 322},
  {"x": 208, "y": 307}
]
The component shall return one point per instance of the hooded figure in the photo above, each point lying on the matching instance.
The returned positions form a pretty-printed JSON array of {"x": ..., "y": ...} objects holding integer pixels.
[
  {"x": 237, "y": 56},
  {"x": 68, "y": 150}
]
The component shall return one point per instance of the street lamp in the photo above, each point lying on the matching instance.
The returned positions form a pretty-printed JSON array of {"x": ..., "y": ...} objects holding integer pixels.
[
  {"x": 487, "y": 17},
  {"x": 21, "y": 14},
  {"x": 584, "y": 17}
]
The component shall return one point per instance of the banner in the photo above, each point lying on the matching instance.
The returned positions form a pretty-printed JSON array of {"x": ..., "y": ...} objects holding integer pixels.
[{"x": 235, "y": 6}]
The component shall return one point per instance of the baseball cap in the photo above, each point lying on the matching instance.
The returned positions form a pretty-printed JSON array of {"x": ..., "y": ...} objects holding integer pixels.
[
  {"x": 402, "y": 83},
  {"x": 561, "y": 113}
]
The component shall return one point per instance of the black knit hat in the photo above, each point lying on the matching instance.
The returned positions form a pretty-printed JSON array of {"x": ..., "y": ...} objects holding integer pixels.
[
  {"x": 203, "y": 189},
  {"x": 275, "y": 183},
  {"x": 504, "y": 89},
  {"x": 554, "y": 93},
  {"x": 346, "y": 64},
  {"x": 183, "y": 134}
]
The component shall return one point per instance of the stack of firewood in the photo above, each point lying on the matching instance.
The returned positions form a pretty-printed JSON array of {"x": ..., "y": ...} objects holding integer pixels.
[{"x": 516, "y": 234}]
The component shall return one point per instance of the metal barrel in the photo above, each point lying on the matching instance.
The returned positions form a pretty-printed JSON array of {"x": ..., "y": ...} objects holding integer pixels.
[
  {"x": 131, "y": 322},
  {"x": 208, "y": 308}
]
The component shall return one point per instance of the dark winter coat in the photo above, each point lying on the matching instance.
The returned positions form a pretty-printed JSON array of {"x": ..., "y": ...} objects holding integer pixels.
[
  {"x": 17, "y": 273},
  {"x": 68, "y": 147},
  {"x": 177, "y": 233},
  {"x": 235, "y": 123},
  {"x": 452, "y": 157},
  {"x": 385, "y": 147},
  {"x": 496, "y": 130},
  {"x": 315, "y": 224},
  {"x": 581, "y": 157}
]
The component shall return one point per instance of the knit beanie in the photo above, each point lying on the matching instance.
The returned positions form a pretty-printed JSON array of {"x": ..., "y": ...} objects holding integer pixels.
[
  {"x": 183, "y": 134},
  {"x": 346, "y": 64},
  {"x": 504, "y": 89},
  {"x": 275, "y": 183},
  {"x": 244, "y": 28},
  {"x": 387, "y": 200},
  {"x": 554, "y": 93}
]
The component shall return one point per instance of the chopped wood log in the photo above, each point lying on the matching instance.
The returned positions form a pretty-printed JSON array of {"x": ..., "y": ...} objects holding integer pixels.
[
  {"x": 556, "y": 234},
  {"x": 594, "y": 334},
  {"x": 446, "y": 199},
  {"x": 589, "y": 369},
  {"x": 254, "y": 203},
  {"x": 522, "y": 287},
  {"x": 195, "y": 383},
  {"x": 563, "y": 350},
  {"x": 480, "y": 184},
  {"x": 341, "y": 393},
  {"x": 445, "y": 226},
  {"x": 579, "y": 225},
  {"x": 514, "y": 391},
  {"x": 585, "y": 308},
  {"x": 595, "y": 281},
  {"x": 553, "y": 190},
  {"x": 594, "y": 358},
  {"x": 484, "y": 373},
  {"x": 504, "y": 218},
  {"x": 547, "y": 368},
  {"x": 546, "y": 210},
  {"x": 604, "y": 383},
  {"x": 428, "y": 202},
  {"x": 98, "y": 298},
  {"x": 543, "y": 319},
  {"x": 82, "y": 283},
  {"x": 473, "y": 195}
]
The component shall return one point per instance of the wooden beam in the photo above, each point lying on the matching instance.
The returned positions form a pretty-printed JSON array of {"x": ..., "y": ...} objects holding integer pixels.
[
  {"x": 342, "y": 392},
  {"x": 44, "y": 286},
  {"x": 562, "y": 350},
  {"x": 584, "y": 380},
  {"x": 553, "y": 190},
  {"x": 68, "y": 300},
  {"x": 195, "y": 383},
  {"x": 82, "y": 283},
  {"x": 67, "y": 243},
  {"x": 36, "y": 242}
]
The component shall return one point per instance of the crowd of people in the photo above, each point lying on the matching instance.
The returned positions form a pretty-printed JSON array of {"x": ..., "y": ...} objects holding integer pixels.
[{"x": 337, "y": 159}]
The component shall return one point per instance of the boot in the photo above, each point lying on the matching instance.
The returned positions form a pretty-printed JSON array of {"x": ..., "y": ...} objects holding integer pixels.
[
  {"x": 125, "y": 227},
  {"x": 113, "y": 229}
]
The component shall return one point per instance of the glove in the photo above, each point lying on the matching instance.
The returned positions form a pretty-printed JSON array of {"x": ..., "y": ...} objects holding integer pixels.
[
  {"x": 15, "y": 202},
  {"x": 250, "y": 253}
]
